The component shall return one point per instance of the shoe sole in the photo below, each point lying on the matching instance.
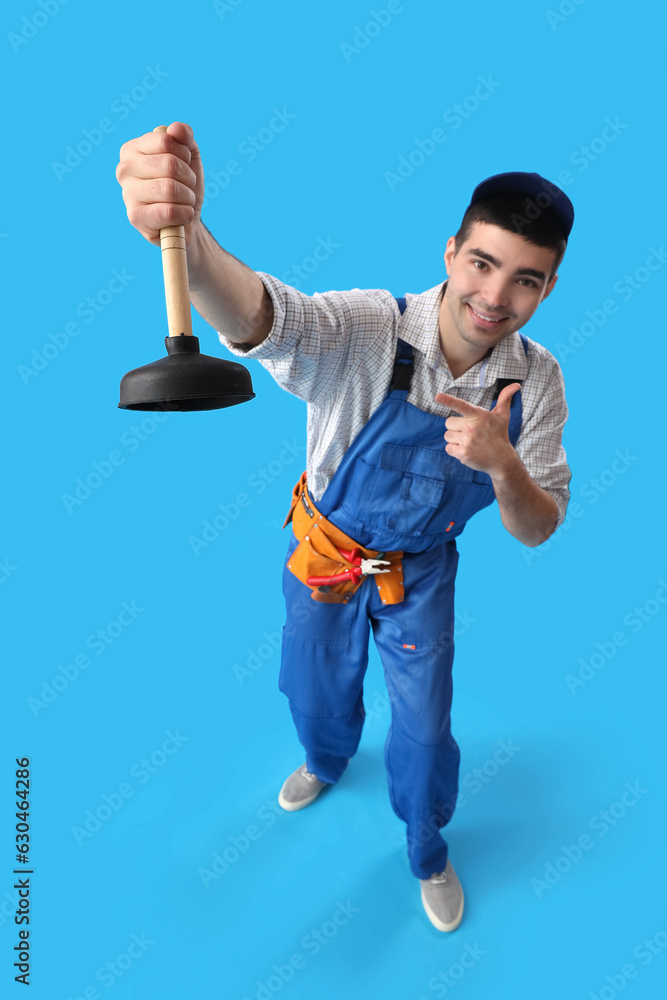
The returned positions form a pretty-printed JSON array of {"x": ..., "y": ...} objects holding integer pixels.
[
  {"x": 437, "y": 922},
  {"x": 294, "y": 806}
]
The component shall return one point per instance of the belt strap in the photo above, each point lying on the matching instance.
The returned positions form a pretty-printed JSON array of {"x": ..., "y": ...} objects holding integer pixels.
[{"x": 317, "y": 554}]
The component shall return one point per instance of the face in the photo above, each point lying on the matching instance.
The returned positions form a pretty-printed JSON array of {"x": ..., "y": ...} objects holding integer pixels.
[{"x": 496, "y": 282}]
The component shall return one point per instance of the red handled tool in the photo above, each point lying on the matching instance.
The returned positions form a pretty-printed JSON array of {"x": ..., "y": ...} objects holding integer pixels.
[{"x": 360, "y": 567}]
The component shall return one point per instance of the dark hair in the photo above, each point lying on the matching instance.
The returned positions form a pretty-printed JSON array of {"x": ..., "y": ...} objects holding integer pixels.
[{"x": 516, "y": 214}]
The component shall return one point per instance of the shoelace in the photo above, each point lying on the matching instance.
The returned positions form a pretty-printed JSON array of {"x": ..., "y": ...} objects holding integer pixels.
[
  {"x": 307, "y": 774},
  {"x": 438, "y": 877}
]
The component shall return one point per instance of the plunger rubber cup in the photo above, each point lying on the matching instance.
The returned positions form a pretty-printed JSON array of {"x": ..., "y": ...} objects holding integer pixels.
[{"x": 185, "y": 380}]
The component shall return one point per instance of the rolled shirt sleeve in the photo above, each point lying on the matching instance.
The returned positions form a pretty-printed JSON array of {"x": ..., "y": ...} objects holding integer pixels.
[{"x": 309, "y": 344}]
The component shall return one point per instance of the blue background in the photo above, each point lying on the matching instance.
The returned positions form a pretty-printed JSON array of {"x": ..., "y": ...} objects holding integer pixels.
[{"x": 197, "y": 659}]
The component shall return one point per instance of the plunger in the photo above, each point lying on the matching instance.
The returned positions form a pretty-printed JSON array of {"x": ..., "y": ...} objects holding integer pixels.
[{"x": 185, "y": 379}]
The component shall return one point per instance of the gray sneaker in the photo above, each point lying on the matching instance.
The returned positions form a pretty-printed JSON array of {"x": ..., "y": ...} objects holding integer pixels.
[
  {"x": 442, "y": 897},
  {"x": 300, "y": 789}
]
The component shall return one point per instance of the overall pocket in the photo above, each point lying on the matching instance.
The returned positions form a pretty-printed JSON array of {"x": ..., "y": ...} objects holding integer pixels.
[
  {"x": 419, "y": 490},
  {"x": 406, "y": 490}
]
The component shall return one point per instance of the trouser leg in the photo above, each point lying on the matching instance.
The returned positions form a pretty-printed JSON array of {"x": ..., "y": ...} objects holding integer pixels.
[
  {"x": 416, "y": 645},
  {"x": 323, "y": 662}
]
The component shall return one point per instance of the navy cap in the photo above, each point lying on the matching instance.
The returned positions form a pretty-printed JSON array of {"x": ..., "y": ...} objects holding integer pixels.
[{"x": 542, "y": 193}]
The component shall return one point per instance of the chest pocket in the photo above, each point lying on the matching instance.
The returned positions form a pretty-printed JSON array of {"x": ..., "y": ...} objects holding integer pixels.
[{"x": 419, "y": 491}]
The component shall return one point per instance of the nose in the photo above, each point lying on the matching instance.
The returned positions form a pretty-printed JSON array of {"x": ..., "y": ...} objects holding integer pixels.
[{"x": 496, "y": 295}]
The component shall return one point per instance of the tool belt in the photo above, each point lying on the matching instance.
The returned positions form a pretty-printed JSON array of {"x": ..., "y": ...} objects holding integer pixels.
[{"x": 317, "y": 554}]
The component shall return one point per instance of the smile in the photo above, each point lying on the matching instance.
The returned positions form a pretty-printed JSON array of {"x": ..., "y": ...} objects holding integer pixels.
[{"x": 485, "y": 320}]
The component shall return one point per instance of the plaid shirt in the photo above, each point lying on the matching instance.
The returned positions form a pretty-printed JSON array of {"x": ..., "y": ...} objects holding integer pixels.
[{"x": 336, "y": 350}]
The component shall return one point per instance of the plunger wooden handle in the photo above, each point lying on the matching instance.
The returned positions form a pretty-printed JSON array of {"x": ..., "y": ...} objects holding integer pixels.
[{"x": 175, "y": 270}]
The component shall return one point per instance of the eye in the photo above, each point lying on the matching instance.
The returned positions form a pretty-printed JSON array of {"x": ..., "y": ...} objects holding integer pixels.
[
  {"x": 482, "y": 262},
  {"x": 529, "y": 282}
]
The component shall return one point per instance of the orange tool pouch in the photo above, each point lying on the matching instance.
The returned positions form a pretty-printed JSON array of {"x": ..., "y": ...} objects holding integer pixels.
[{"x": 317, "y": 554}]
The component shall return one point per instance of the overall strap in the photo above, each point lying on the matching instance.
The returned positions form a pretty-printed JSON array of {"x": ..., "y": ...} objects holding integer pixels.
[
  {"x": 516, "y": 406},
  {"x": 404, "y": 362},
  {"x": 502, "y": 382}
]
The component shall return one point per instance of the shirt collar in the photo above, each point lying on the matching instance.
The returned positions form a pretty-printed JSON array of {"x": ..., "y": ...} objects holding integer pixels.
[{"x": 419, "y": 328}]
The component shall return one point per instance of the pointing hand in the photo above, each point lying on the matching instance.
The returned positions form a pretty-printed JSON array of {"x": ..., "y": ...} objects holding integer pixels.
[{"x": 479, "y": 437}]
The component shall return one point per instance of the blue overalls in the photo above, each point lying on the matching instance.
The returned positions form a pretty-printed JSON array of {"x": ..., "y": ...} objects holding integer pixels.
[{"x": 396, "y": 488}]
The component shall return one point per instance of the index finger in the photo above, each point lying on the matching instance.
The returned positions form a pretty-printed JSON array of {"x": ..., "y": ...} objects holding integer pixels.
[{"x": 460, "y": 405}]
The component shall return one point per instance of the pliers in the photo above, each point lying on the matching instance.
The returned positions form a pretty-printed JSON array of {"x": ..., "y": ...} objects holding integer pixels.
[{"x": 361, "y": 567}]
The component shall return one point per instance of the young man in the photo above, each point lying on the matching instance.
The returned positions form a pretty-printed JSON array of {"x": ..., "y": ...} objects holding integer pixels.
[{"x": 421, "y": 412}]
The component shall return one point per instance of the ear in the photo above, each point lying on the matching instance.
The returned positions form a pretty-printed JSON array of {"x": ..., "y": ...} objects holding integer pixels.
[
  {"x": 550, "y": 287},
  {"x": 449, "y": 253}
]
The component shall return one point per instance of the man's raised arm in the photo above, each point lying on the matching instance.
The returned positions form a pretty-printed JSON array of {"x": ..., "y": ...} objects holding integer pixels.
[{"x": 162, "y": 179}]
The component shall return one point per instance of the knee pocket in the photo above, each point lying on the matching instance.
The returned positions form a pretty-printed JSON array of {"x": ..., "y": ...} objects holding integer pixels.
[{"x": 316, "y": 696}]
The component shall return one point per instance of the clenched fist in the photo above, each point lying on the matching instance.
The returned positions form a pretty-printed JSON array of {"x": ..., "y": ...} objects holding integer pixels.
[{"x": 162, "y": 178}]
